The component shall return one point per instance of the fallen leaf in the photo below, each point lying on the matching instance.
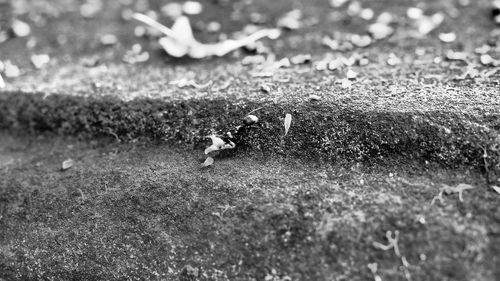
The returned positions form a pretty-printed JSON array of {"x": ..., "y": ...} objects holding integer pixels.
[
  {"x": 288, "y": 121},
  {"x": 208, "y": 162},
  {"x": 179, "y": 40},
  {"x": 66, "y": 164}
]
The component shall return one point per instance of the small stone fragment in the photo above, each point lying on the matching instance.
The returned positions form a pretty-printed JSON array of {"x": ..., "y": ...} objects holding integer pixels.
[
  {"x": 40, "y": 61},
  {"x": 300, "y": 59},
  {"x": 452, "y": 55},
  {"x": 291, "y": 20},
  {"x": 213, "y": 26},
  {"x": 414, "y": 13},
  {"x": 265, "y": 88},
  {"x": 190, "y": 272},
  {"x": 393, "y": 60},
  {"x": 250, "y": 119},
  {"x": 20, "y": 28},
  {"x": 90, "y": 8},
  {"x": 361, "y": 40},
  {"x": 314, "y": 97},
  {"x": 380, "y": 30},
  {"x": 335, "y": 64},
  {"x": 482, "y": 50},
  {"x": 337, "y": 3},
  {"x": 367, "y": 14},
  {"x": 172, "y": 10},
  {"x": 208, "y": 162},
  {"x": 192, "y": 8},
  {"x": 351, "y": 75},
  {"x": 447, "y": 37},
  {"x": 11, "y": 70},
  {"x": 66, "y": 164},
  {"x": 488, "y": 60},
  {"x": 108, "y": 39}
]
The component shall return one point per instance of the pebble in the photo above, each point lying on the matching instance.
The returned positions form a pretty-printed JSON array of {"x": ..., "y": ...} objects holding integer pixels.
[
  {"x": 335, "y": 64},
  {"x": 314, "y": 97},
  {"x": 108, "y": 39},
  {"x": 300, "y": 59},
  {"x": 447, "y": 37},
  {"x": 213, "y": 27},
  {"x": 11, "y": 70},
  {"x": 291, "y": 20},
  {"x": 367, "y": 14},
  {"x": 380, "y": 30},
  {"x": 393, "y": 60},
  {"x": 250, "y": 119},
  {"x": 172, "y": 10},
  {"x": 20, "y": 28},
  {"x": 66, "y": 164},
  {"x": 40, "y": 61},
  {"x": 351, "y": 74},
  {"x": 337, "y": 3},
  {"x": 361, "y": 40},
  {"x": 192, "y": 8},
  {"x": 451, "y": 55}
]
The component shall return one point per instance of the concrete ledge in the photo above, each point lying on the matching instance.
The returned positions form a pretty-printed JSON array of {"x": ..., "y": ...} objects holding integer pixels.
[{"x": 326, "y": 131}]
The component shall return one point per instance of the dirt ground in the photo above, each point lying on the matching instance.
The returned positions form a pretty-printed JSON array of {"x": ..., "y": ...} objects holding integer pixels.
[
  {"x": 359, "y": 160},
  {"x": 137, "y": 211}
]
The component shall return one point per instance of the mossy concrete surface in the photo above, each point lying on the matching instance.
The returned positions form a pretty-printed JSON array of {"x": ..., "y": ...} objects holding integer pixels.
[{"x": 136, "y": 212}]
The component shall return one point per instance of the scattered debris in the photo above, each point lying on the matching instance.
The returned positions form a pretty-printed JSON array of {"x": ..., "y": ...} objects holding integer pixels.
[
  {"x": 337, "y": 3},
  {"x": 265, "y": 88},
  {"x": 179, "y": 40},
  {"x": 11, "y": 70},
  {"x": 184, "y": 83},
  {"x": 487, "y": 60},
  {"x": 136, "y": 55},
  {"x": 447, "y": 37},
  {"x": 351, "y": 74},
  {"x": 452, "y": 189},
  {"x": 291, "y": 20},
  {"x": 218, "y": 144},
  {"x": 108, "y": 39},
  {"x": 424, "y": 24},
  {"x": 66, "y": 164},
  {"x": 452, "y": 55},
  {"x": 288, "y": 121},
  {"x": 300, "y": 59},
  {"x": 374, "y": 268},
  {"x": 208, "y": 162},
  {"x": 380, "y": 30},
  {"x": 361, "y": 40},
  {"x": 393, "y": 243},
  {"x": 40, "y": 61},
  {"x": 251, "y": 60},
  {"x": 250, "y": 119},
  {"x": 172, "y": 10},
  {"x": 20, "y": 28},
  {"x": 393, "y": 60},
  {"x": 2, "y": 83},
  {"x": 192, "y": 8},
  {"x": 346, "y": 83},
  {"x": 90, "y": 8},
  {"x": 314, "y": 97}
]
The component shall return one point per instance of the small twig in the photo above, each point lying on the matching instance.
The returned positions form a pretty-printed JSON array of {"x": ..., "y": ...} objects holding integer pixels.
[{"x": 393, "y": 243}]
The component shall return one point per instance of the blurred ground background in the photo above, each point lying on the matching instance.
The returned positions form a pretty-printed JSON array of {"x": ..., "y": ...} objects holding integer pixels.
[{"x": 379, "y": 128}]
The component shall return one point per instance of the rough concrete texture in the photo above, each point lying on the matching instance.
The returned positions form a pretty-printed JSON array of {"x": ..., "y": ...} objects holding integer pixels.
[{"x": 137, "y": 211}]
